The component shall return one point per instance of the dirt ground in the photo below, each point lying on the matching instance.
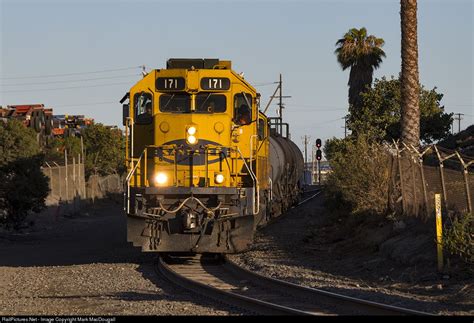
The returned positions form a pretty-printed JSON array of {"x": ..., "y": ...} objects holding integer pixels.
[
  {"x": 83, "y": 265},
  {"x": 370, "y": 258}
]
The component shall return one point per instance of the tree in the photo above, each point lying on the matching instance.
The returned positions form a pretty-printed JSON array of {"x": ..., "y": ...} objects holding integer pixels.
[
  {"x": 410, "y": 126},
  {"x": 104, "y": 150},
  {"x": 362, "y": 54},
  {"x": 17, "y": 141},
  {"x": 23, "y": 186},
  {"x": 54, "y": 149},
  {"x": 380, "y": 114}
]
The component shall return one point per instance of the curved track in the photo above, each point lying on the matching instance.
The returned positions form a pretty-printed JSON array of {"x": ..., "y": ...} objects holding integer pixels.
[
  {"x": 224, "y": 281},
  {"x": 219, "y": 278}
]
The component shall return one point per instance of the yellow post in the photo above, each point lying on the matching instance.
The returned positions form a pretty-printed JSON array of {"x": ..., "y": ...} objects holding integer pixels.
[{"x": 439, "y": 231}]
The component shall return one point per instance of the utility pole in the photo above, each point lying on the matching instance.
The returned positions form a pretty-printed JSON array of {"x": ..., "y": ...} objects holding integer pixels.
[
  {"x": 459, "y": 121},
  {"x": 345, "y": 126},
  {"x": 281, "y": 105},
  {"x": 305, "y": 141},
  {"x": 281, "y": 99},
  {"x": 313, "y": 158}
]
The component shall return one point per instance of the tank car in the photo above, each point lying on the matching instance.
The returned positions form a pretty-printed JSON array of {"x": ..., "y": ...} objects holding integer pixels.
[{"x": 205, "y": 166}]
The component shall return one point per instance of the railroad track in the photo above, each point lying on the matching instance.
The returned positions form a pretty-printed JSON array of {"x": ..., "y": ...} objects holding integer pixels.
[
  {"x": 219, "y": 278},
  {"x": 222, "y": 280}
]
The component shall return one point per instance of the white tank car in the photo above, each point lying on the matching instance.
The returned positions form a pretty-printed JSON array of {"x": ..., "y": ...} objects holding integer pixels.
[{"x": 286, "y": 161}]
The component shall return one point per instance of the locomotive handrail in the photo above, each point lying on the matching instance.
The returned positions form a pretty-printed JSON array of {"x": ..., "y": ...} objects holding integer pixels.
[
  {"x": 127, "y": 180},
  {"x": 169, "y": 150},
  {"x": 256, "y": 180},
  {"x": 255, "y": 196},
  {"x": 255, "y": 184}
]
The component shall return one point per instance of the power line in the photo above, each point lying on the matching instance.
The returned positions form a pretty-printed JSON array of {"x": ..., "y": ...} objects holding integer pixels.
[
  {"x": 264, "y": 84},
  {"x": 70, "y": 74},
  {"x": 324, "y": 122},
  {"x": 72, "y": 81},
  {"x": 315, "y": 108},
  {"x": 312, "y": 105},
  {"x": 83, "y": 104},
  {"x": 67, "y": 88}
]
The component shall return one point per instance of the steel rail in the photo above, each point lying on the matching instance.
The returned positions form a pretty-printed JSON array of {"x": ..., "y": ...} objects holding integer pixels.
[
  {"x": 229, "y": 283},
  {"x": 347, "y": 304},
  {"x": 225, "y": 281},
  {"x": 244, "y": 302}
]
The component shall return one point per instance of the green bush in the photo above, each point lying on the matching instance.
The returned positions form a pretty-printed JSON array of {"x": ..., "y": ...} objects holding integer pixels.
[
  {"x": 17, "y": 141},
  {"x": 360, "y": 175},
  {"x": 23, "y": 188},
  {"x": 105, "y": 150},
  {"x": 458, "y": 237}
]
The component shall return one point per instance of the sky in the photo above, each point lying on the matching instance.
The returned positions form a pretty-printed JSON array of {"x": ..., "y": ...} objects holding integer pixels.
[{"x": 81, "y": 57}]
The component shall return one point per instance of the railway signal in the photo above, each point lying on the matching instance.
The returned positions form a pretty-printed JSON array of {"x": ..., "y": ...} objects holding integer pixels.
[{"x": 318, "y": 154}]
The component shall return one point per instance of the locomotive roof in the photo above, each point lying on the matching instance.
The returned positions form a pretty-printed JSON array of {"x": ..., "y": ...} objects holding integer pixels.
[{"x": 197, "y": 63}]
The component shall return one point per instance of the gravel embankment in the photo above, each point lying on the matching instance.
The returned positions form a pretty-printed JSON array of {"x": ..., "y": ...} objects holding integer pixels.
[
  {"x": 83, "y": 266},
  {"x": 307, "y": 248}
]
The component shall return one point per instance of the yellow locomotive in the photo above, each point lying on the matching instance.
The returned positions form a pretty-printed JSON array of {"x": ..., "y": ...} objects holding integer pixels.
[{"x": 205, "y": 166}]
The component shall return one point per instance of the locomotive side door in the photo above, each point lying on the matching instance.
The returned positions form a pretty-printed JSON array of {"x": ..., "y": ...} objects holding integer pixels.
[{"x": 143, "y": 109}]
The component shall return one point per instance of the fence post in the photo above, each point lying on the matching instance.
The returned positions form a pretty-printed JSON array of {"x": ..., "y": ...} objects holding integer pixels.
[
  {"x": 66, "y": 179},
  {"x": 415, "y": 200},
  {"x": 441, "y": 173},
  {"x": 402, "y": 186},
  {"x": 50, "y": 178},
  {"x": 423, "y": 182},
  {"x": 466, "y": 181},
  {"x": 468, "y": 192},
  {"x": 59, "y": 181},
  {"x": 439, "y": 231},
  {"x": 425, "y": 195}
]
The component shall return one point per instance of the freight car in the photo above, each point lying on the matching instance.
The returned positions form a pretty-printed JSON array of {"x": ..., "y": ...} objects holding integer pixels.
[{"x": 205, "y": 166}]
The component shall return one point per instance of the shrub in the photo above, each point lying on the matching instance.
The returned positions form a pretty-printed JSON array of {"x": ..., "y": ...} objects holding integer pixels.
[
  {"x": 360, "y": 174},
  {"x": 17, "y": 141},
  {"x": 23, "y": 188},
  {"x": 458, "y": 237}
]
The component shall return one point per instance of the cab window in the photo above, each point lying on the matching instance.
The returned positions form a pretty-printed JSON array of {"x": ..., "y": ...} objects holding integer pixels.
[
  {"x": 261, "y": 129},
  {"x": 242, "y": 109},
  {"x": 210, "y": 103},
  {"x": 143, "y": 103},
  {"x": 176, "y": 102}
]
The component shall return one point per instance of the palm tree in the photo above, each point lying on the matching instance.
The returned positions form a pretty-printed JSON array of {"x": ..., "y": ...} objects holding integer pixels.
[
  {"x": 409, "y": 77},
  {"x": 363, "y": 54}
]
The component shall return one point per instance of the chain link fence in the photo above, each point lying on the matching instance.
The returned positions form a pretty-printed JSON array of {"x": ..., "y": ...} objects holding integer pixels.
[
  {"x": 66, "y": 183},
  {"x": 70, "y": 189},
  {"x": 99, "y": 187},
  {"x": 418, "y": 174}
]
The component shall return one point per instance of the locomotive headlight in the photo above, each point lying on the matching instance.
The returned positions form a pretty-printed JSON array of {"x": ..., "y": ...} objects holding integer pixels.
[
  {"x": 191, "y": 139},
  {"x": 219, "y": 178},
  {"x": 161, "y": 178},
  {"x": 191, "y": 130}
]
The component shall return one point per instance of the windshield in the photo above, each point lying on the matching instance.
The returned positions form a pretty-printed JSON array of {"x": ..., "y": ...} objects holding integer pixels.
[
  {"x": 180, "y": 103},
  {"x": 210, "y": 103}
]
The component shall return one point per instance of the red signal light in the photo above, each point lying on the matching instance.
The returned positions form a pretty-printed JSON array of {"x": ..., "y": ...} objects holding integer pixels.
[{"x": 318, "y": 143}]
